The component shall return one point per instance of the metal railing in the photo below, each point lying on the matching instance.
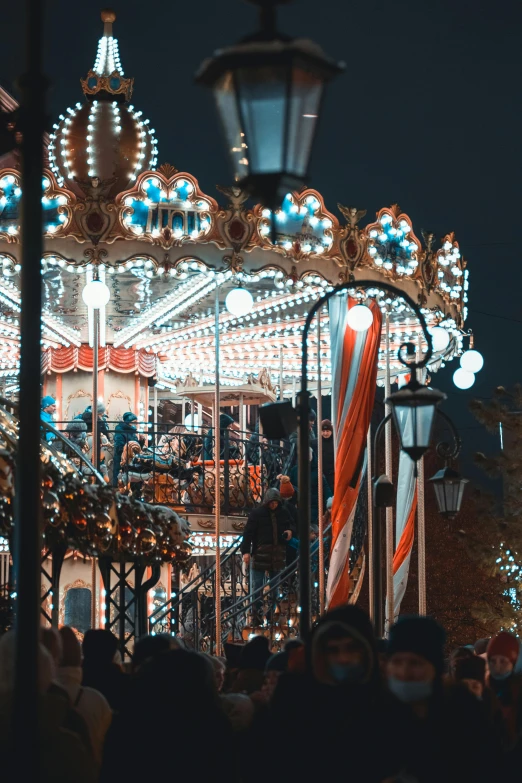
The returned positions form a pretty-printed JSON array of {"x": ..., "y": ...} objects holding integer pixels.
[
  {"x": 177, "y": 468},
  {"x": 273, "y": 608},
  {"x": 189, "y": 613}
]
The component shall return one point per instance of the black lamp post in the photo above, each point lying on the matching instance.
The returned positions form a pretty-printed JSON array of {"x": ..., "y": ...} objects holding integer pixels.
[
  {"x": 448, "y": 483},
  {"x": 268, "y": 90},
  {"x": 28, "y": 508},
  {"x": 272, "y": 412}
]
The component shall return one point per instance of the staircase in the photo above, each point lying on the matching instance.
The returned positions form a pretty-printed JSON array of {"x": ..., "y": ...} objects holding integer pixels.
[{"x": 272, "y": 610}]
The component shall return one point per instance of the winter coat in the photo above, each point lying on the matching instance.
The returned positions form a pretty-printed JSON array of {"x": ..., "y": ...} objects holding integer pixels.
[
  {"x": 228, "y": 446},
  {"x": 314, "y": 488},
  {"x": 91, "y": 704},
  {"x": 103, "y": 427},
  {"x": 353, "y": 731},
  {"x": 509, "y": 696},
  {"x": 47, "y": 417},
  {"x": 63, "y": 754},
  {"x": 259, "y": 532},
  {"x": 123, "y": 434},
  {"x": 453, "y": 742},
  {"x": 328, "y": 460},
  {"x": 109, "y": 680}
]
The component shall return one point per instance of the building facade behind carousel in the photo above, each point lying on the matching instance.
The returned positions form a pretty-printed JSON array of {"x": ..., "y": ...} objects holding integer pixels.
[{"x": 168, "y": 252}]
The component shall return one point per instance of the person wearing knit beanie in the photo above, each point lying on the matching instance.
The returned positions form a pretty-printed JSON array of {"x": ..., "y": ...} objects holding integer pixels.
[
  {"x": 415, "y": 658},
  {"x": 502, "y": 655},
  {"x": 286, "y": 488}
]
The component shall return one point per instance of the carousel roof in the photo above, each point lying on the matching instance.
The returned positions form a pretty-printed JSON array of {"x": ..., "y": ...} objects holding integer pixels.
[{"x": 165, "y": 248}]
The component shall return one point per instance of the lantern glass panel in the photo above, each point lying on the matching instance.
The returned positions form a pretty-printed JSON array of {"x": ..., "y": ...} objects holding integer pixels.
[
  {"x": 304, "y": 105},
  {"x": 449, "y": 494},
  {"x": 225, "y": 96},
  {"x": 415, "y": 425},
  {"x": 263, "y": 97}
]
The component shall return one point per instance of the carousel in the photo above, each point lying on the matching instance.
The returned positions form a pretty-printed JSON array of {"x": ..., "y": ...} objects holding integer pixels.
[{"x": 168, "y": 309}]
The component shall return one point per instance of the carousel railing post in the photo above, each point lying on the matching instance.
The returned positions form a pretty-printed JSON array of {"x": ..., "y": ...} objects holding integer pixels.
[
  {"x": 320, "y": 498},
  {"x": 217, "y": 485}
]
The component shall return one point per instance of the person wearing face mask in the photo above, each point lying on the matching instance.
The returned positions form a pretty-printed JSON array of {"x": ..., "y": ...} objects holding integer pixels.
[
  {"x": 447, "y": 734},
  {"x": 506, "y": 684},
  {"x": 338, "y": 704},
  {"x": 327, "y": 445}
]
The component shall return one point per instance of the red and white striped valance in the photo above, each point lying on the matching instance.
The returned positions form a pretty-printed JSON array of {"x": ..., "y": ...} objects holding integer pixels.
[{"x": 118, "y": 359}]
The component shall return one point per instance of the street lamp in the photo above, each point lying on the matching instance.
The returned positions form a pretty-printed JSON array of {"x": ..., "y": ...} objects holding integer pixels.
[
  {"x": 96, "y": 296},
  {"x": 449, "y": 489},
  {"x": 275, "y": 416},
  {"x": 268, "y": 90},
  {"x": 447, "y": 483},
  {"x": 413, "y": 409}
]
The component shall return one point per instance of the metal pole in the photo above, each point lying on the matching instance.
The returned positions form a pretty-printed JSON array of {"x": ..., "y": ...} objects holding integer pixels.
[
  {"x": 320, "y": 498},
  {"x": 241, "y": 414},
  {"x": 28, "y": 545},
  {"x": 217, "y": 505},
  {"x": 93, "y": 592},
  {"x": 95, "y": 428},
  {"x": 369, "y": 462},
  {"x": 390, "y": 603},
  {"x": 421, "y": 527},
  {"x": 421, "y": 533},
  {"x": 377, "y": 608}
]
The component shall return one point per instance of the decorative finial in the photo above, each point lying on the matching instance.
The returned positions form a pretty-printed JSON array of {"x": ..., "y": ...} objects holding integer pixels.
[
  {"x": 105, "y": 80},
  {"x": 108, "y": 17}
]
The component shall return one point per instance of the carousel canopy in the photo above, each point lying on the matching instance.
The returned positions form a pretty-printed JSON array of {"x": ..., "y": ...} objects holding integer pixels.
[{"x": 164, "y": 248}]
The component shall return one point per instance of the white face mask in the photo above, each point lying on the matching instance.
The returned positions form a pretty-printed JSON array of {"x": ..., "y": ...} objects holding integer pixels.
[{"x": 410, "y": 691}]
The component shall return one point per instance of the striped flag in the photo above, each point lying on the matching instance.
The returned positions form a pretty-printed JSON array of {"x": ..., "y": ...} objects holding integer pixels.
[
  {"x": 406, "y": 508},
  {"x": 405, "y": 528},
  {"x": 354, "y": 376}
]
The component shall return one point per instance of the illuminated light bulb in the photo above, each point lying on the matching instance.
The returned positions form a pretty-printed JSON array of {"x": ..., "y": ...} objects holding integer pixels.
[
  {"x": 463, "y": 379},
  {"x": 360, "y": 318},
  {"x": 472, "y": 361},
  {"x": 96, "y": 294},
  {"x": 239, "y": 301},
  {"x": 440, "y": 338}
]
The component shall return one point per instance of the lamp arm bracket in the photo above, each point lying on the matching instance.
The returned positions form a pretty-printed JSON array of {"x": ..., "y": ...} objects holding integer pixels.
[
  {"x": 410, "y": 348},
  {"x": 449, "y": 451}
]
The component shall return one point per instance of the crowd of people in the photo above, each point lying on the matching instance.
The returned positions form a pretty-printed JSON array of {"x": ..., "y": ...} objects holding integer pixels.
[{"x": 340, "y": 702}]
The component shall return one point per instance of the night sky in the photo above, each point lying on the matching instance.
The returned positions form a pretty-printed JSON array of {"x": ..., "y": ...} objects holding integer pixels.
[{"x": 427, "y": 115}]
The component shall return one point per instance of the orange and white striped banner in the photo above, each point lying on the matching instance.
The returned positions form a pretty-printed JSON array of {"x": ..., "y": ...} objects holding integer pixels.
[{"x": 354, "y": 376}]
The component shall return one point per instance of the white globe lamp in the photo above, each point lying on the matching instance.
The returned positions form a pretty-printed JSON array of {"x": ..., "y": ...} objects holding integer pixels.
[
  {"x": 239, "y": 302},
  {"x": 96, "y": 294},
  {"x": 463, "y": 379},
  {"x": 360, "y": 318},
  {"x": 440, "y": 338},
  {"x": 189, "y": 424},
  {"x": 472, "y": 361}
]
